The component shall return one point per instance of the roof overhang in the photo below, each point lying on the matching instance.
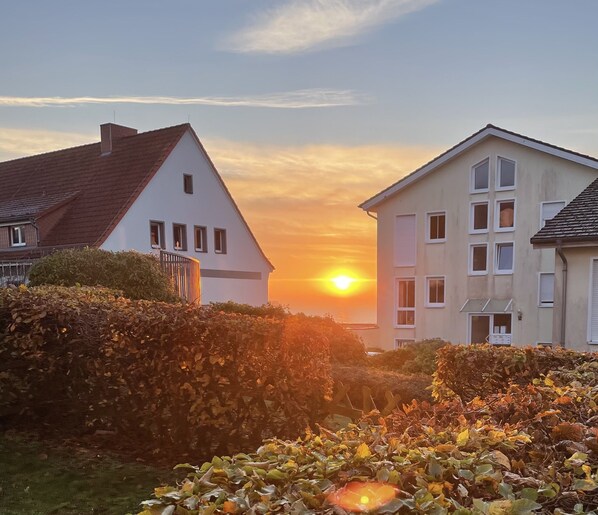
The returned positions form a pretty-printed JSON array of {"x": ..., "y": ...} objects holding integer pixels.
[
  {"x": 474, "y": 139},
  {"x": 553, "y": 244},
  {"x": 487, "y": 305}
]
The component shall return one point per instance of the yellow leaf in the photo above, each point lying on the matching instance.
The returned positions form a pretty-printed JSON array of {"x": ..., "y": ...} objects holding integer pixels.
[
  {"x": 435, "y": 488},
  {"x": 548, "y": 381},
  {"x": 463, "y": 438},
  {"x": 363, "y": 451},
  {"x": 501, "y": 459}
]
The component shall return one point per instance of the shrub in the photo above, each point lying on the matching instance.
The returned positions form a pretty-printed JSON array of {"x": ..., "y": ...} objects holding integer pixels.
[
  {"x": 415, "y": 358},
  {"x": 180, "y": 378},
  {"x": 138, "y": 276},
  {"x": 469, "y": 371},
  {"x": 266, "y": 310}
]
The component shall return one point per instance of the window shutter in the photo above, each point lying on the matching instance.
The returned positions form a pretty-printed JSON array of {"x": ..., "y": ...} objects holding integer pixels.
[
  {"x": 546, "y": 288},
  {"x": 405, "y": 240},
  {"x": 594, "y": 303}
]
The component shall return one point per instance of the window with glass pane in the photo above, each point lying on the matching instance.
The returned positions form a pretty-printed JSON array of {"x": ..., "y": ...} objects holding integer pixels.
[
  {"x": 506, "y": 174},
  {"x": 480, "y": 176},
  {"x": 406, "y": 302},
  {"x": 17, "y": 236},
  {"x": 436, "y": 227},
  {"x": 179, "y": 236},
  {"x": 504, "y": 257},
  {"x": 546, "y": 290},
  {"x": 435, "y": 291},
  {"x": 479, "y": 258},
  {"x": 201, "y": 238},
  {"x": 549, "y": 210},
  {"x": 220, "y": 241},
  {"x": 505, "y": 214},
  {"x": 157, "y": 235},
  {"x": 480, "y": 217}
]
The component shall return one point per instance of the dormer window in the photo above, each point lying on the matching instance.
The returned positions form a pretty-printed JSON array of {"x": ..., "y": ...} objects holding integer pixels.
[
  {"x": 17, "y": 236},
  {"x": 188, "y": 183}
]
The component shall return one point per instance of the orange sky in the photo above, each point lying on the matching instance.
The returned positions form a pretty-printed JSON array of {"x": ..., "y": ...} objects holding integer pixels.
[{"x": 301, "y": 203}]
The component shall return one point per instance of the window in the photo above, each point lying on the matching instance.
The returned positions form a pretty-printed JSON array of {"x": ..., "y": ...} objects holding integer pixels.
[
  {"x": 479, "y": 217},
  {"x": 548, "y": 210},
  {"x": 593, "y": 304},
  {"x": 220, "y": 241},
  {"x": 406, "y": 302},
  {"x": 504, "y": 258},
  {"x": 546, "y": 290},
  {"x": 478, "y": 259},
  {"x": 493, "y": 328},
  {"x": 17, "y": 236},
  {"x": 505, "y": 177},
  {"x": 157, "y": 235},
  {"x": 435, "y": 292},
  {"x": 179, "y": 236},
  {"x": 436, "y": 227},
  {"x": 188, "y": 183},
  {"x": 401, "y": 343},
  {"x": 201, "y": 238},
  {"x": 480, "y": 174},
  {"x": 505, "y": 215},
  {"x": 405, "y": 240}
]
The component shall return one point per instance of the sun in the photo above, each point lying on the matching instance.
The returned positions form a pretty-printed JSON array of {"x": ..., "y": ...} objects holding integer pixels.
[{"x": 343, "y": 282}]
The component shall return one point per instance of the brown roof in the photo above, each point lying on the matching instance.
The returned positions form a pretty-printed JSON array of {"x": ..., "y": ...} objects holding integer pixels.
[
  {"x": 27, "y": 208},
  {"x": 577, "y": 222},
  {"x": 105, "y": 185}
]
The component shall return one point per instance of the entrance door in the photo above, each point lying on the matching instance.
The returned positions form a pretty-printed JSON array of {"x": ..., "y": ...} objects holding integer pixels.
[{"x": 480, "y": 328}]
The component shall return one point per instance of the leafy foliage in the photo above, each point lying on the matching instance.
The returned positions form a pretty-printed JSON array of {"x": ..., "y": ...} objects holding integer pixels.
[
  {"x": 415, "y": 358},
  {"x": 180, "y": 377},
  {"x": 267, "y": 310},
  {"x": 137, "y": 275},
  {"x": 482, "y": 370},
  {"x": 531, "y": 449}
]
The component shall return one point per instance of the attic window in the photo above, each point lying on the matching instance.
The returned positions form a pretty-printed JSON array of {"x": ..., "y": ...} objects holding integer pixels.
[
  {"x": 188, "y": 183},
  {"x": 17, "y": 236}
]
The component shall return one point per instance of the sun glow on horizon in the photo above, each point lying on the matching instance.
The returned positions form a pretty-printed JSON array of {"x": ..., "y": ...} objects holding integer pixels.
[{"x": 343, "y": 282}]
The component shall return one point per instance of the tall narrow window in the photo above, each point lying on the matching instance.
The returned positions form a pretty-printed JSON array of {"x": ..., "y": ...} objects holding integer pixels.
[
  {"x": 220, "y": 241},
  {"x": 505, "y": 215},
  {"x": 479, "y": 217},
  {"x": 549, "y": 210},
  {"x": 406, "y": 302},
  {"x": 504, "y": 258},
  {"x": 201, "y": 238},
  {"x": 546, "y": 290},
  {"x": 157, "y": 235},
  {"x": 188, "y": 183},
  {"x": 179, "y": 236},
  {"x": 593, "y": 304},
  {"x": 17, "y": 236},
  {"x": 436, "y": 227},
  {"x": 478, "y": 259},
  {"x": 434, "y": 292},
  {"x": 505, "y": 177},
  {"x": 480, "y": 176},
  {"x": 405, "y": 240}
]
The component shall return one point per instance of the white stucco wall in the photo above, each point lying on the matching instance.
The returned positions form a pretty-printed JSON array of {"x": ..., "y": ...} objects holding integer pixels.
[
  {"x": 165, "y": 200},
  {"x": 539, "y": 177}
]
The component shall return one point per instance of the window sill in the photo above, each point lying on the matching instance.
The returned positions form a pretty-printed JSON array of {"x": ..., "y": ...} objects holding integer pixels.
[
  {"x": 409, "y": 327},
  {"x": 203, "y": 251},
  {"x": 219, "y": 252},
  {"x": 546, "y": 305},
  {"x": 503, "y": 272},
  {"x": 476, "y": 274},
  {"x": 505, "y": 188},
  {"x": 436, "y": 241},
  {"x": 18, "y": 244},
  {"x": 478, "y": 231},
  {"x": 434, "y": 306},
  {"x": 504, "y": 229},
  {"x": 473, "y": 192}
]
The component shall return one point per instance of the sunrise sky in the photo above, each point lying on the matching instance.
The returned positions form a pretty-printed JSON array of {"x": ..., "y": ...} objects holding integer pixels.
[{"x": 306, "y": 107}]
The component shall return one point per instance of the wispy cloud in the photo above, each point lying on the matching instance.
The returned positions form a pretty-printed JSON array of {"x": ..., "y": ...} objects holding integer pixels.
[
  {"x": 299, "y": 99},
  {"x": 302, "y": 25},
  {"x": 23, "y": 142}
]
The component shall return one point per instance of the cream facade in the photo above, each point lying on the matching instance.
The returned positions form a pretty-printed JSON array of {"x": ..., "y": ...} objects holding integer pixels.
[{"x": 454, "y": 254}]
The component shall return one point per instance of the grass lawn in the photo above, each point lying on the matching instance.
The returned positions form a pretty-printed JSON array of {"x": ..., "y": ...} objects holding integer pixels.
[{"x": 41, "y": 478}]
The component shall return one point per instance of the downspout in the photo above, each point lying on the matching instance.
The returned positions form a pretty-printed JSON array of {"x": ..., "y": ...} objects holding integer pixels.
[
  {"x": 559, "y": 251},
  {"x": 371, "y": 215},
  {"x": 35, "y": 226}
]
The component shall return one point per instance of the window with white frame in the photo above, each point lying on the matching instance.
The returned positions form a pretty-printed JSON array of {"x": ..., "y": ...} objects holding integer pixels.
[
  {"x": 157, "y": 235},
  {"x": 406, "y": 302},
  {"x": 548, "y": 210},
  {"x": 201, "y": 238},
  {"x": 478, "y": 259},
  {"x": 435, "y": 292},
  {"x": 480, "y": 176},
  {"x": 478, "y": 219},
  {"x": 503, "y": 263},
  {"x": 179, "y": 236},
  {"x": 436, "y": 227},
  {"x": 17, "y": 236},
  {"x": 401, "y": 343},
  {"x": 505, "y": 215},
  {"x": 505, "y": 174},
  {"x": 546, "y": 290}
]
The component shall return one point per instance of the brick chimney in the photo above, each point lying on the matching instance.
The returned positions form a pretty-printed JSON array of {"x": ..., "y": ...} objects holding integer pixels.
[{"x": 110, "y": 132}]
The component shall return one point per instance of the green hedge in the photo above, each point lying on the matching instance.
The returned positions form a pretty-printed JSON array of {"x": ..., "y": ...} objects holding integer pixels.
[
  {"x": 415, "y": 358},
  {"x": 181, "y": 378},
  {"x": 138, "y": 276}
]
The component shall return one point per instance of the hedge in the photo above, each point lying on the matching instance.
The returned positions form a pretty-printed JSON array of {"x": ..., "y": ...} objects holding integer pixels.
[
  {"x": 182, "y": 378},
  {"x": 469, "y": 371},
  {"x": 137, "y": 275},
  {"x": 415, "y": 358}
]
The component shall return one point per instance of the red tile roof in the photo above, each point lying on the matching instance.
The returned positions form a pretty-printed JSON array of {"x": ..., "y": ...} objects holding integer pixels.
[{"x": 105, "y": 185}]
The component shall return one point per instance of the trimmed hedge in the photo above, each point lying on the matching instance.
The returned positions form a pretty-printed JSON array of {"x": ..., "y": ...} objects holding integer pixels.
[
  {"x": 415, "y": 358},
  {"x": 182, "y": 378},
  {"x": 137, "y": 275},
  {"x": 470, "y": 371}
]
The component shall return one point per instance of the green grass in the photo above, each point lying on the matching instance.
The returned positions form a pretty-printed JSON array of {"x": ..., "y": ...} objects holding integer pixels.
[{"x": 37, "y": 478}]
